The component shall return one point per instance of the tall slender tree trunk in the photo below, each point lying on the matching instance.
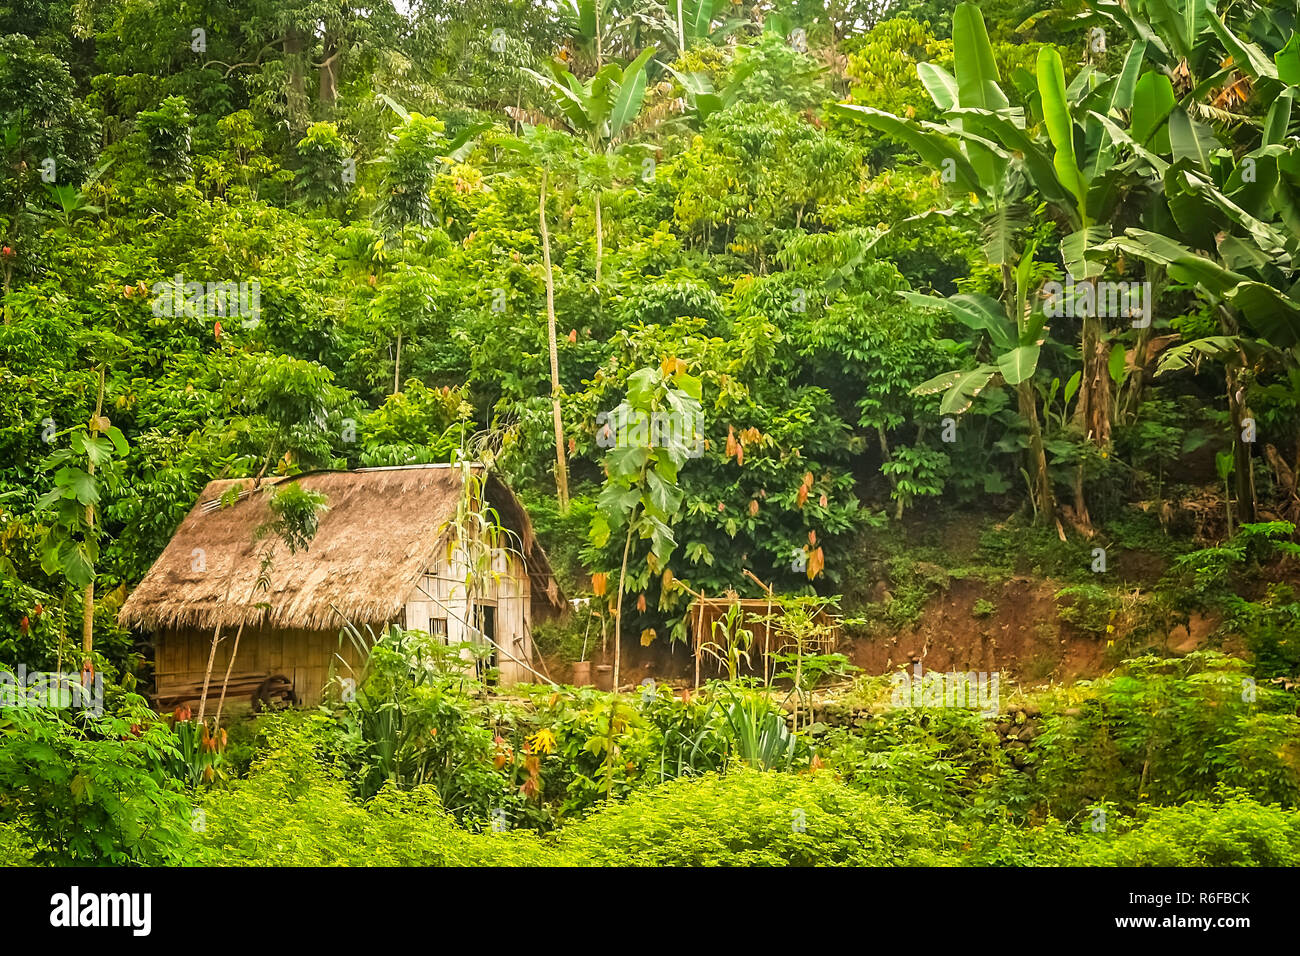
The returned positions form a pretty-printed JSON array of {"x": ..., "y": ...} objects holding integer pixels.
[
  {"x": 88, "y": 610},
  {"x": 328, "y": 90},
  {"x": 216, "y": 639},
  {"x": 225, "y": 682},
  {"x": 600, "y": 236},
  {"x": 397, "y": 366},
  {"x": 561, "y": 468},
  {"x": 1243, "y": 462},
  {"x": 1039, "y": 479},
  {"x": 618, "y": 612},
  {"x": 296, "y": 92},
  {"x": 1093, "y": 410}
]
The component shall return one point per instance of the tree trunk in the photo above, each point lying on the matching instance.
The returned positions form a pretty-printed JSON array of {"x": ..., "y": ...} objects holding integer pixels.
[
  {"x": 1243, "y": 461},
  {"x": 618, "y": 613},
  {"x": 328, "y": 92},
  {"x": 600, "y": 236},
  {"x": 88, "y": 610},
  {"x": 561, "y": 468},
  {"x": 397, "y": 366},
  {"x": 296, "y": 90},
  {"x": 221, "y": 702},
  {"x": 1039, "y": 479},
  {"x": 1094, "y": 406},
  {"x": 216, "y": 639}
]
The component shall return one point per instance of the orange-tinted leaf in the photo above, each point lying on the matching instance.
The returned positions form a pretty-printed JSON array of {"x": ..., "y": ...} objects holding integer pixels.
[
  {"x": 598, "y": 582},
  {"x": 648, "y": 636},
  {"x": 816, "y": 563}
]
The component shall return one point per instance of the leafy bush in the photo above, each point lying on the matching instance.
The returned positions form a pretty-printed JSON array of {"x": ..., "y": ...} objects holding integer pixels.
[
  {"x": 755, "y": 818},
  {"x": 1237, "y": 832},
  {"x": 93, "y": 792}
]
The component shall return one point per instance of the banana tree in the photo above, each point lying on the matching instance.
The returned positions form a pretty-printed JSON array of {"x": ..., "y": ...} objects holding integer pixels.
[
  {"x": 690, "y": 22},
  {"x": 703, "y": 100},
  {"x": 599, "y": 30},
  {"x": 995, "y": 179},
  {"x": 600, "y": 112},
  {"x": 1081, "y": 161},
  {"x": 1230, "y": 221}
]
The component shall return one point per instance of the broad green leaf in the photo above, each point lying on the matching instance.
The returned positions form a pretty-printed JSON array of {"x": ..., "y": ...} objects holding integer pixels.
[
  {"x": 1246, "y": 56},
  {"x": 78, "y": 484},
  {"x": 1060, "y": 127},
  {"x": 940, "y": 152},
  {"x": 1190, "y": 139},
  {"x": 696, "y": 16},
  {"x": 1269, "y": 312},
  {"x": 1075, "y": 249},
  {"x": 975, "y": 311},
  {"x": 641, "y": 387},
  {"x": 1278, "y": 119},
  {"x": 960, "y": 387},
  {"x": 630, "y": 93},
  {"x": 1153, "y": 100},
  {"x": 1121, "y": 97},
  {"x": 977, "y": 70},
  {"x": 1287, "y": 61},
  {"x": 1038, "y": 163},
  {"x": 939, "y": 83},
  {"x": 1117, "y": 364},
  {"x": 1019, "y": 364}
]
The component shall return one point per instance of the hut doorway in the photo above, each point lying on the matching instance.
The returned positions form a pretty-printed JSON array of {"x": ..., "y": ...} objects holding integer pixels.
[{"x": 485, "y": 622}]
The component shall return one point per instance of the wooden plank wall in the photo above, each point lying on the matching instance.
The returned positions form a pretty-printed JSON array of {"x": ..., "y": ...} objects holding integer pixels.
[
  {"x": 508, "y": 590},
  {"x": 305, "y": 657}
]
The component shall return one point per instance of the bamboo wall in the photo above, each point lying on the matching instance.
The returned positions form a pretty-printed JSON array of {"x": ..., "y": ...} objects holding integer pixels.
[
  {"x": 441, "y": 594},
  {"x": 305, "y": 657}
]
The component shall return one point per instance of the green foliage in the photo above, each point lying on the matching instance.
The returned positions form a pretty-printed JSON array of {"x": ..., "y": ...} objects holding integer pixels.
[
  {"x": 755, "y": 818},
  {"x": 1237, "y": 832},
  {"x": 93, "y": 793}
]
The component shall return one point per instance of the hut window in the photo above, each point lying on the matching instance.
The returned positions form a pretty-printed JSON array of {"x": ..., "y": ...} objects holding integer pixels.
[{"x": 438, "y": 628}]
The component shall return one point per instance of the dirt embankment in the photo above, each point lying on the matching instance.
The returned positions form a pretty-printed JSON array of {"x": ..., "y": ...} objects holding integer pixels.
[{"x": 1013, "y": 627}]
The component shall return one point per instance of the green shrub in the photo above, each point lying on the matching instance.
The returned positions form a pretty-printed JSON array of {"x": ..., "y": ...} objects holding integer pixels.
[
  {"x": 296, "y": 810},
  {"x": 93, "y": 791},
  {"x": 1237, "y": 832},
  {"x": 756, "y": 818}
]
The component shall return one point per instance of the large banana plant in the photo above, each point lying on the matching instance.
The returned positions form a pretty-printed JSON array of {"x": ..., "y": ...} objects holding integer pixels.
[
  {"x": 1230, "y": 221},
  {"x": 996, "y": 180},
  {"x": 600, "y": 112}
]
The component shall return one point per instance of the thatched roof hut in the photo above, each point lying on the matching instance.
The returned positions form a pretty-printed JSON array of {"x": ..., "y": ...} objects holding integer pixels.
[{"x": 379, "y": 556}]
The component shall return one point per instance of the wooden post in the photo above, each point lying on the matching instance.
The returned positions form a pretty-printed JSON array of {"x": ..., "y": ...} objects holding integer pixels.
[{"x": 699, "y": 624}]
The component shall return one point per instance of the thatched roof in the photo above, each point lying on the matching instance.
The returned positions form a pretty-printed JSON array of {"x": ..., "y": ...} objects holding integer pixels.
[{"x": 384, "y": 527}]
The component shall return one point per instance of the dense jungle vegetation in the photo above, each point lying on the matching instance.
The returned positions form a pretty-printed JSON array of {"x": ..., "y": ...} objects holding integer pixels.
[{"x": 948, "y": 296}]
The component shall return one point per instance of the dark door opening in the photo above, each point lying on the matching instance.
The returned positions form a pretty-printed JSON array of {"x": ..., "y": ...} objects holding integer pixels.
[{"x": 485, "y": 619}]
